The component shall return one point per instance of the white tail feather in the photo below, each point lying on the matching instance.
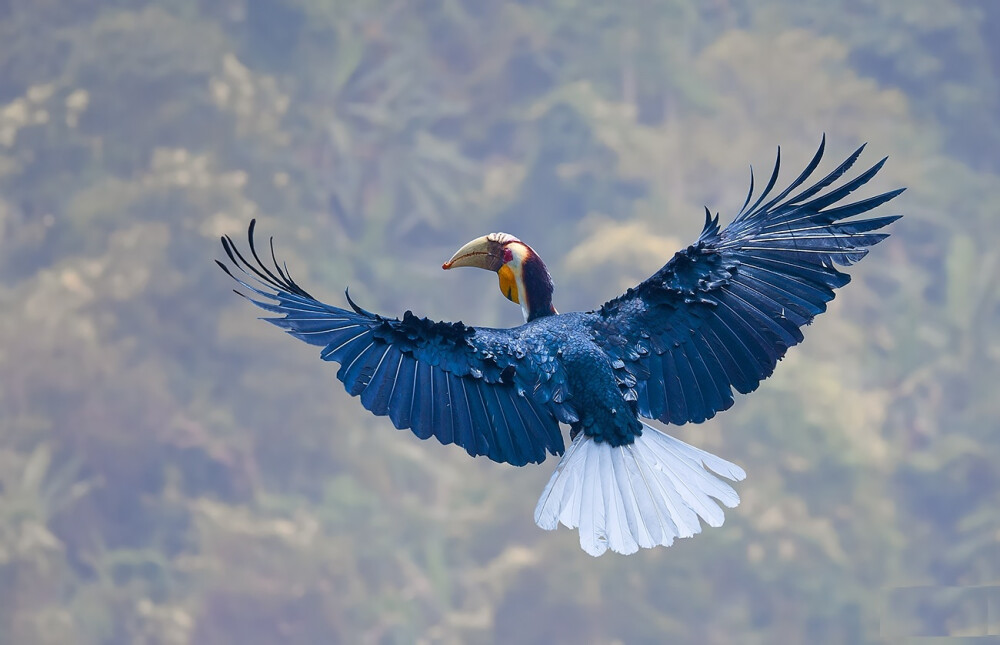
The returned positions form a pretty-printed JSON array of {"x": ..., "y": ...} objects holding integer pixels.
[{"x": 640, "y": 495}]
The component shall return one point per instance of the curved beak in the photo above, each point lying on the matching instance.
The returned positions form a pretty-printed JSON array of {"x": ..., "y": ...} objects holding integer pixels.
[{"x": 481, "y": 252}]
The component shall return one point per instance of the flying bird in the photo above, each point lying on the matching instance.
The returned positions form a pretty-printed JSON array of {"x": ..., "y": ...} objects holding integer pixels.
[{"x": 716, "y": 318}]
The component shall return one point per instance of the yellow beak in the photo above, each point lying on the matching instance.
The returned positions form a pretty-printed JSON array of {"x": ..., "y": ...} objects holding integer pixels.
[{"x": 481, "y": 252}]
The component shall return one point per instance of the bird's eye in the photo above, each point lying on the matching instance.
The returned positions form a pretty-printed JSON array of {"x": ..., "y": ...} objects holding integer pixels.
[{"x": 508, "y": 255}]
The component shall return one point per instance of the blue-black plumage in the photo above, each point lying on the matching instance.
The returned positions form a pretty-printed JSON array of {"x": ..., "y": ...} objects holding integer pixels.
[{"x": 717, "y": 317}]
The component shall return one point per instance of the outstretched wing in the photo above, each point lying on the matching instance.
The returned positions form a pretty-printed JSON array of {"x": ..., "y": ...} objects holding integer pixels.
[
  {"x": 722, "y": 312},
  {"x": 437, "y": 379}
]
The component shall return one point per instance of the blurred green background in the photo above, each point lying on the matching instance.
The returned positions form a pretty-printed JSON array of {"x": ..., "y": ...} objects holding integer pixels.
[{"x": 174, "y": 471}]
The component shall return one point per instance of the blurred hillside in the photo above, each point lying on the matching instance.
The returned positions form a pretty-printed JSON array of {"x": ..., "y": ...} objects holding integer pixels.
[{"x": 174, "y": 471}]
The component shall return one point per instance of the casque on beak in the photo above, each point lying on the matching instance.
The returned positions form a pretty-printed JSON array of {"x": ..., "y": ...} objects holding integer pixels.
[{"x": 481, "y": 252}]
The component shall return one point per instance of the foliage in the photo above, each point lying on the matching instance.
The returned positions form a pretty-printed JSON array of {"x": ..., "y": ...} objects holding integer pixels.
[{"x": 174, "y": 471}]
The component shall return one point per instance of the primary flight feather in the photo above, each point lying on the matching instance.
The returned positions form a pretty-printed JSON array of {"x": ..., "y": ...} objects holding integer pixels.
[{"x": 717, "y": 317}]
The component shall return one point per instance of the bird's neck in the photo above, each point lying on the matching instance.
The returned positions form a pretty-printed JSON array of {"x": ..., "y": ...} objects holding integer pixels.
[{"x": 537, "y": 289}]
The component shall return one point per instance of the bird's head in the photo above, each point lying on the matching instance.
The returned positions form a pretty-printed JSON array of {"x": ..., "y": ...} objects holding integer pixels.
[{"x": 523, "y": 276}]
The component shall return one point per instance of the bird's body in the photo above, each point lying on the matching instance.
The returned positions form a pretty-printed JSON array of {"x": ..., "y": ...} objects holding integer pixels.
[
  {"x": 581, "y": 382},
  {"x": 717, "y": 317}
]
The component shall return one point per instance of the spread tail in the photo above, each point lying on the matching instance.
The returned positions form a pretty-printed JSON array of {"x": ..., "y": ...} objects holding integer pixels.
[{"x": 639, "y": 495}]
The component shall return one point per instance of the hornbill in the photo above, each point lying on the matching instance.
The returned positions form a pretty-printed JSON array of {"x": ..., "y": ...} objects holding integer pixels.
[{"x": 717, "y": 317}]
